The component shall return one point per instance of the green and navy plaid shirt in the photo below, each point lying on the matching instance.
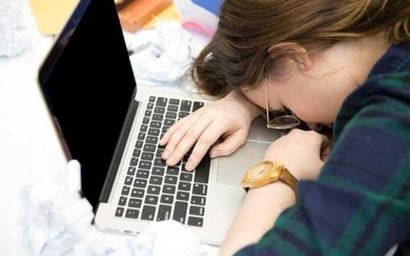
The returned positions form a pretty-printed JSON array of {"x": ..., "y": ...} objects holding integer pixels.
[{"x": 360, "y": 205}]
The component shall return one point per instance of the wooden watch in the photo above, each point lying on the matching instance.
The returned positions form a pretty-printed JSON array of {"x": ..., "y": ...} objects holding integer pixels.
[{"x": 267, "y": 172}]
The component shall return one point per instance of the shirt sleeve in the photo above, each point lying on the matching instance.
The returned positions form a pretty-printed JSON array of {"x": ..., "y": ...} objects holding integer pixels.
[{"x": 360, "y": 205}]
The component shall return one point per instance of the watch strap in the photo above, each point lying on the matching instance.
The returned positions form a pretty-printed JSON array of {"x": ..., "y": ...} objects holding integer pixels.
[{"x": 287, "y": 178}]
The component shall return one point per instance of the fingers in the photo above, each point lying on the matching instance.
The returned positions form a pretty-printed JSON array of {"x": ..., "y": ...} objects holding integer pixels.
[
  {"x": 203, "y": 133},
  {"x": 191, "y": 131},
  {"x": 181, "y": 137},
  {"x": 229, "y": 145}
]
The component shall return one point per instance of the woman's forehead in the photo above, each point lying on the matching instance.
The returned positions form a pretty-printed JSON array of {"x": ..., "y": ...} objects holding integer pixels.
[{"x": 260, "y": 94}]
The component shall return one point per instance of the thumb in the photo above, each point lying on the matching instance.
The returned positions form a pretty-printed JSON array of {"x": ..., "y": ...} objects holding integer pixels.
[{"x": 229, "y": 145}]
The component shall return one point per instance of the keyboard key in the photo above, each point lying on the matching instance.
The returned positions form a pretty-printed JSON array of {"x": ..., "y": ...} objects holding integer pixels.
[
  {"x": 183, "y": 196},
  {"x": 142, "y": 174},
  {"x": 128, "y": 180},
  {"x": 159, "y": 162},
  {"x": 171, "y": 179},
  {"x": 164, "y": 212},
  {"x": 168, "y": 189},
  {"x": 148, "y": 113},
  {"x": 119, "y": 212},
  {"x": 137, "y": 152},
  {"x": 155, "y": 124},
  {"x": 159, "y": 110},
  {"x": 148, "y": 212},
  {"x": 197, "y": 210},
  {"x": 170, "y": 115},
  {"x": 158, "y": 170},
  {"x": 150, "y": 199},
  {"x": 141, "y": 136},
  {"x": 169, "y": 122},
  {"x": 135, "y": 203},
  {"x": 151, "y": 140},
  {"x": 131, "y": 171},
  {"x": 139, "y": 144},
  {"x": 144, "y": 128},
  {"x": 151, "y": 99},
  {"x": 186, "y": 176},
  {"x": 167, "y": 199},
  {"x": 131, "y": 213},
  {"x": 144, "y": 165},
  {"x": 198, "y": 200},
  {"x": 122, "y": 201},
  {"x": 134, "y": 161},
  {"x": 185, "y": 106},
  {"x": 200, "y": 189},
  {"x": 202, "y": 170},
  {"x": 154, "y": 190},
  {"x": 180, "y": 211},
  {"x": 147, "y": 156},
  {"x": 195, "y": 221},
  {"x": 140, "y": 183},
  {"x": 172, "y": 170},
  {"x": 125, "y": 191},
  {"x": 174, "y": 101},
  {"x": 161, "y": 101},
  {"x": 149, "y": 148},
  {"x": 135, "y": 192},
  {"x": 182, "y": 114},
  {"x": 197, "y": 105},
  {"x": 172, "y": 108},
  {"x": 184, "y": 186},
  {"x": 157, "y": 117},
  {"x": 155, "y": 180}
]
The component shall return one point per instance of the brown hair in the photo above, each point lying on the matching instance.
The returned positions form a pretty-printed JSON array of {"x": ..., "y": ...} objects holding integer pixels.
[{"x": 238, "y": 54}]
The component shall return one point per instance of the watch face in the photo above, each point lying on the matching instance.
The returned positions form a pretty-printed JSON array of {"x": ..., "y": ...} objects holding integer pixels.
[{"x": 259, "y": 170}]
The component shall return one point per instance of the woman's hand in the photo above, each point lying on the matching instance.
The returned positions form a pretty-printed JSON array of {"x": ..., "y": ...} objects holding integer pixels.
[
  {"x": 303, "y": 153},
  {"x": 229, "y": 117}
]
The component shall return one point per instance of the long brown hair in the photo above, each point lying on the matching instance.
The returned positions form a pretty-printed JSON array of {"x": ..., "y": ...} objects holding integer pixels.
[{"x": 238, "y": 54}]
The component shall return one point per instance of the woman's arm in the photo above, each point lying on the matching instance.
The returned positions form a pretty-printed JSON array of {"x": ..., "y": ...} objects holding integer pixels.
[{"x": 300, "y": 152}]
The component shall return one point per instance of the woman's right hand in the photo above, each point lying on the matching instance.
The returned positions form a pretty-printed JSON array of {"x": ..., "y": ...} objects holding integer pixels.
[{"x": 229, "y": 118}]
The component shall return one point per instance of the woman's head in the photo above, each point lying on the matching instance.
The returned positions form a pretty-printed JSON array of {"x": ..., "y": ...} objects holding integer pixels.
[{"x": 242, "y": 51}]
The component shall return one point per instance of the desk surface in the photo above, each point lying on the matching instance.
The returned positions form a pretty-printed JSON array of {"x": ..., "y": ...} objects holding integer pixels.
[{"x": 29, "y": 149}]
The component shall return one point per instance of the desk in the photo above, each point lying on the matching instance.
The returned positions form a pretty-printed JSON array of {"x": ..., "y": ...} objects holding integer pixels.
[
  {"x": 29, "y": 149},
  {"x": 28, "y": 146}
]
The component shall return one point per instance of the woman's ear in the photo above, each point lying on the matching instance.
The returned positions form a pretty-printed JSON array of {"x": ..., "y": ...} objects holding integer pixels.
[{"x": 299, "y": 53}]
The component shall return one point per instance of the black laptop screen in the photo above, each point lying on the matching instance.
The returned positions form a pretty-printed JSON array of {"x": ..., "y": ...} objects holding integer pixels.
[{"x": 87, "y": 82}]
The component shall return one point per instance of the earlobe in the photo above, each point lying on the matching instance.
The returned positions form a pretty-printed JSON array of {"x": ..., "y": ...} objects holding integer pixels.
[{"x": 297, "y": 52}]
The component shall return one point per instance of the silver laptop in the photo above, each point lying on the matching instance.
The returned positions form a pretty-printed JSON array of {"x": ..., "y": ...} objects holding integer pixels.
[{"x": 113, "y": 129}]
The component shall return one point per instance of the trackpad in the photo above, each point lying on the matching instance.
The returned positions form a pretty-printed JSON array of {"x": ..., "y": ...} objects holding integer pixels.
[{"x": 232, "y": 168}]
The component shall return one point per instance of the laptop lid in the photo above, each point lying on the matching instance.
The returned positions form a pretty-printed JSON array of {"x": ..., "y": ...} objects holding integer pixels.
[{"x": 88, "y": 84}]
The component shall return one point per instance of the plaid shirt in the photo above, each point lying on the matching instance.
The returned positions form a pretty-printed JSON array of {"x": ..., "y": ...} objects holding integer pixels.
[{"x": 360, "y": 205}]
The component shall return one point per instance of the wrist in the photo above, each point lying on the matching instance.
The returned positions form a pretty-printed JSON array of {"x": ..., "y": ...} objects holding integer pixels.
[{"x": 250, "y": 107}]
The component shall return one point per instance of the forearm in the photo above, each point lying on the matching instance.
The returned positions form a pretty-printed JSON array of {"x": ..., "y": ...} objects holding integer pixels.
[{"x": 257, "y": 215}]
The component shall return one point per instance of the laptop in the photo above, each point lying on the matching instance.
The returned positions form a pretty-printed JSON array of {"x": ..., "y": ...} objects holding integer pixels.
[{"x": 111, "y": 124}]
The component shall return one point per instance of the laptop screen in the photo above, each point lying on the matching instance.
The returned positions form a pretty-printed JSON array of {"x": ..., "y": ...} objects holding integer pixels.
[{"x": 87, "y": 82}]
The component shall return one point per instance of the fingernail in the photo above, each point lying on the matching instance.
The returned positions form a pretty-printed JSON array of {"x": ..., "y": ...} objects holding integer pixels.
[{"x": 189, "y": 166}]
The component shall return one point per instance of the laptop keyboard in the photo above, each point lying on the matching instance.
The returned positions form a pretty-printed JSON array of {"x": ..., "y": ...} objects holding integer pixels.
[{"x": 153, "y": 191}]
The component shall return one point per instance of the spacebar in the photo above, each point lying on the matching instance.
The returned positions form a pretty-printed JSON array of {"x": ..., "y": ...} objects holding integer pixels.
[{"x": 202, "y": 170}]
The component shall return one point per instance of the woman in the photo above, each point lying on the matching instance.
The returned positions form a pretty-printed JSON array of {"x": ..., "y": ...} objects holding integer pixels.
[{"x": 342, "y": 63}]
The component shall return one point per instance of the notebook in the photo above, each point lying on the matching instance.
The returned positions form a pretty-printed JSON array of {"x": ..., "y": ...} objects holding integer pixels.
[{"x": 111, "y": 123}]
